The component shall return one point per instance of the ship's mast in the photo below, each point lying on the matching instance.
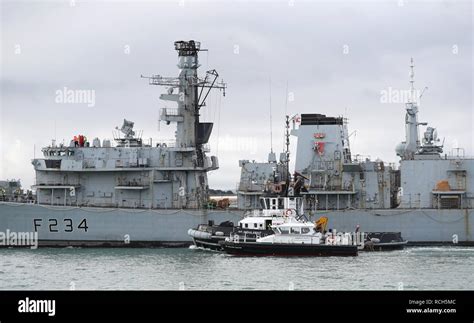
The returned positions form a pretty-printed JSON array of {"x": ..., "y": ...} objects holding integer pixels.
[
  {"x": 191, "y": 96},
  {"x": 190, "y": 92},
  {"x": 287, "y": 142},
  {"x": 412, "y": 141},
  {"x": 412, "y": 98},
  {"x": 287, "y": 137}
]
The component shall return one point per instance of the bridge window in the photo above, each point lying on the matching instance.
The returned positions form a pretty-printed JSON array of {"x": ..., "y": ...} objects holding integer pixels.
[
  {"x": 273, "y": 204},
  {"x": 281, "y": 204},
  {"x": 294, "y": 230},
  {"x": 53, "y": 163},
  {"x": 304, "y": 230}
]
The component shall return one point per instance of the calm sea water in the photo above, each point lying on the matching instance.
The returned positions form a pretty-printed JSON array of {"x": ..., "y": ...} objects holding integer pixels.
[{"x": 193, "y": 269}]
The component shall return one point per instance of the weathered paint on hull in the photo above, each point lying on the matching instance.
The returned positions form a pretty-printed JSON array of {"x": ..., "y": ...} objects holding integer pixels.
[
  {"x": 418, "y": 226},
  {"x": 113, "y": 227},
  {"x": 61, "y": 226}
]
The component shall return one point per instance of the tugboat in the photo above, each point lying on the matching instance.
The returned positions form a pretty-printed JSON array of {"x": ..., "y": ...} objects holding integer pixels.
[
  {"x": 256, "y": 223},
  {"x": 294, "y": 238},
  {"x": 276, "y": 211}
]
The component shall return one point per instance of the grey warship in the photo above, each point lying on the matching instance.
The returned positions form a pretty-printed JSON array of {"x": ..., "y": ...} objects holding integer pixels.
[
  {"x": 429, "y": 197},
  {"x": 149, "y": 194},
  {"x": 132, "y": 193}
]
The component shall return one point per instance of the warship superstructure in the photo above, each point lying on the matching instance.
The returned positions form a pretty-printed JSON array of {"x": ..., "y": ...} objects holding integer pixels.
[
  {"x": 136, "y": 193},
  {"x": 134, "y": 174},
  {"x": 131, "y": 192},
  {"x": 429, "y": 198}
]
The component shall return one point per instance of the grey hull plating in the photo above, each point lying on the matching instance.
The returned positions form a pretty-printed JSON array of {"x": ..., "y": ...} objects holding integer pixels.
[
  {"x": 129, "y": 227},
  {"x": 107, "y": 227},
  {"x": 418, "y": 226}
]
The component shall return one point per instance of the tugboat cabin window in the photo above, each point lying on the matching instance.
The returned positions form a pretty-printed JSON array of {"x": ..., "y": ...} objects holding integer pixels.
[
  {"x": 284, "y": 230},
  {"x": 273, "y": 204},
  {"x": 281, "y": 204},
  {"x": 304, "y": 230},
  {"x": 294, "y": 230},
  {"x": 246, "y": 225},
  {"x": 255, "y": 225}
]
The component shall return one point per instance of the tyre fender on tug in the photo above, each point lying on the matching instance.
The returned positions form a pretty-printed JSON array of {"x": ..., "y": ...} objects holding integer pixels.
[{"x": 199, "y": 234}]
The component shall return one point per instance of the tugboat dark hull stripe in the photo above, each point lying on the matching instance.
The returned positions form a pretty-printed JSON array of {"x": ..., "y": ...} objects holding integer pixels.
[{"x": 260, "y": 249}]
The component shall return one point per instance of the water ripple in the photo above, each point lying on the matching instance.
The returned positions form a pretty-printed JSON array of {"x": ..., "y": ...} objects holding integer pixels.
[{"x": 194, "y": 269}]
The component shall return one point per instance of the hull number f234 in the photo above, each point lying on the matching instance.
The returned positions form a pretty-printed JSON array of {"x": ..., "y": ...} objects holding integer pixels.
[{"x": 55, "y": 225}]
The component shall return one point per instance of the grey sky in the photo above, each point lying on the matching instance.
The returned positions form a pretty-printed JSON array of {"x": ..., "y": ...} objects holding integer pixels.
[{"x": 302, "y": 43}]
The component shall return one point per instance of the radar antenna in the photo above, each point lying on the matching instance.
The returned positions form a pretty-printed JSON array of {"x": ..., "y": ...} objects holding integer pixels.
[
  {"x": 190, "y": 92},
  {"x": 127, "y": 129}
]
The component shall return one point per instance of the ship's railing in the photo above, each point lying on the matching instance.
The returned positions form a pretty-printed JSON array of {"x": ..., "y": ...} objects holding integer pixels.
[
  {"x": 132, "y": 183},
  {"x": 458, "y": 152},
  {"x": 55, "y": 183},
  {"x": 169, "y": 112},
  {"x": 332, "y": 188},
  {"x": 170, "y": 143},
  {"x": 242, "y": 237},
  {"x": 453, "y": 157},
  {"x": 361, "y": 158}
]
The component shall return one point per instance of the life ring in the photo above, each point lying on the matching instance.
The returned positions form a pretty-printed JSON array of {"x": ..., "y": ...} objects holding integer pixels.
[{"x": 288, "y": 212}]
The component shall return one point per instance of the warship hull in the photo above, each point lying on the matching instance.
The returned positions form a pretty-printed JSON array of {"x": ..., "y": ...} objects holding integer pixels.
[
  {"x": 418, "y": 226},
  {"x": 59, "y": 226},
  {"x": 107, "y": 227}
]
